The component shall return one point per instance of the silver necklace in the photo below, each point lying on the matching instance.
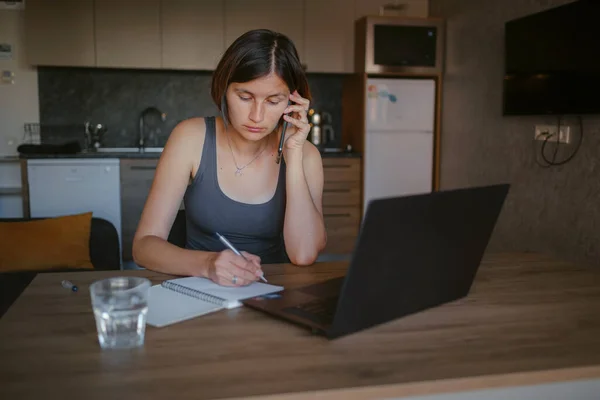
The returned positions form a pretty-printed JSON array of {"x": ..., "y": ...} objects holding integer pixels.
[{"x": 238, "y": 170}]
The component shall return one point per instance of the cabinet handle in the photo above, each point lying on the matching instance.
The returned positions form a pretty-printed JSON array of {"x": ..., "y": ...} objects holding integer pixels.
[
  {"x": 337, "y": 215},
  {"x": 143, "y": 167},
  {"x": 336, "y": 190},
  {"x": 337, "y": 166}
]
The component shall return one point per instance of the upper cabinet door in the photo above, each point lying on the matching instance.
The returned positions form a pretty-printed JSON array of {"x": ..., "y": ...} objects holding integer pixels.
[
  {"x": 60, "y": 32},
  {"x": 128, "y": 33},
  {"x": 283, "y": 16},
  {"x": 192, "y": 33},
  {"x": 414, "y": 8},
  {"x": 329, "y": 34}
]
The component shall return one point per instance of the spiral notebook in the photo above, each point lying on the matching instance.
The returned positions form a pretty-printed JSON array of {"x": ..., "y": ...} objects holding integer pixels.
[{"x": 181, "y": 299}]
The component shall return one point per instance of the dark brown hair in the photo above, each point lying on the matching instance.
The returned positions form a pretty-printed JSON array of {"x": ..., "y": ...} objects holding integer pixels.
[{"x": 256, "y": 54}]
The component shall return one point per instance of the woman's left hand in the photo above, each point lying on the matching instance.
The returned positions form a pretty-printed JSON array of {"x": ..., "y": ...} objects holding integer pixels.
[{"x": 298, "y": 126}]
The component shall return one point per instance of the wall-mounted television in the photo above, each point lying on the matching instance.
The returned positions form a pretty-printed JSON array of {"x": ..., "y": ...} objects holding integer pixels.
[{"x": 552, "y": 61}]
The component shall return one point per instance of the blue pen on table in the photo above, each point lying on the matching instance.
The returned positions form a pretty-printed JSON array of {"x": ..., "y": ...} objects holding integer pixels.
[
  {"x": 68, "y": 285},
  {"x": 232, "y": 248}
]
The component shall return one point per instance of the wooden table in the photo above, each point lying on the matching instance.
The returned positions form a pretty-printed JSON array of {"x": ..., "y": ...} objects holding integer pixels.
[{"x": 528, "y": 320}]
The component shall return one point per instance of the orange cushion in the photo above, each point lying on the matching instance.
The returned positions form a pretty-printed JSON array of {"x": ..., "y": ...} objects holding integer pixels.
[{"x": 52, "y": 243}]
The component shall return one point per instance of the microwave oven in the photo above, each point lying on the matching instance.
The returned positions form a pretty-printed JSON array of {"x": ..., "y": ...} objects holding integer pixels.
[{"x": 393, "y": 45}]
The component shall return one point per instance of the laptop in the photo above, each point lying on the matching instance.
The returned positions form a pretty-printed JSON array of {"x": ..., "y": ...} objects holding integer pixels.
[{"x": 412, "y": 253}]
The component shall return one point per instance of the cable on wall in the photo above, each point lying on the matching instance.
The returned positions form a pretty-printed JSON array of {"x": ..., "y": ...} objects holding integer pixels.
[{"x": 551, "y": 161}]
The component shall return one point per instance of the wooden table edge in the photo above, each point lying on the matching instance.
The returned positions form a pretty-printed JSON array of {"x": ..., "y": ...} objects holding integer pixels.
[{"x": 446, "y": 386}]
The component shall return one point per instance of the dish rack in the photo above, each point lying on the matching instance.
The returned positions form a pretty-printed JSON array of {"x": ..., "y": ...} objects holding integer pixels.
[{"x": 31, "y": 133}]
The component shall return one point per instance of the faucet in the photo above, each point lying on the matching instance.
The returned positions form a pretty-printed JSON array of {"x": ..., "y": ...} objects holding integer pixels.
[{"x": 146, "y": 111}]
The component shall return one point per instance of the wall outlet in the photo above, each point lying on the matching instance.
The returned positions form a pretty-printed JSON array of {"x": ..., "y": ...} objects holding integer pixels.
[{"x": 543, "y": 131}]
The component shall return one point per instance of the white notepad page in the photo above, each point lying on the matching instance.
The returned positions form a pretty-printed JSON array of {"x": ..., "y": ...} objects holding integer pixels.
[
  {"x": 167, "y": 306},
  {"x": 231, "y": 294}
]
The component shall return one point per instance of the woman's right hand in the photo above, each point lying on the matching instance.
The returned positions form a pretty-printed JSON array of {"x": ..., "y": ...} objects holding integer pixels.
[{"x": 228, "y": 269}]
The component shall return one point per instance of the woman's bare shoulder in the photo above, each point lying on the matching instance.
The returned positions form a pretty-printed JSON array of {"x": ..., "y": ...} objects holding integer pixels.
[
  {"x": 187, "y": 136},
  {"x": 184, "y": 145},
  {"x": 192, "y": 129}
]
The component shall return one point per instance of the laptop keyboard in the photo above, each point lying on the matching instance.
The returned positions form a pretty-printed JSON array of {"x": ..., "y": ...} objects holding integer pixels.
[
  {"x": 328, "y": 288},
  {"x": 320, "y": 311}
]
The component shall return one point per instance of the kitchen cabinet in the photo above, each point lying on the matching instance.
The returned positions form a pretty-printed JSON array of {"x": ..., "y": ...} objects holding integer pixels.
[
  {"x": 193, "y": 35},
  {"x": 128, "y": 33},
  {"x": 286, "y": 17},
  {"x": 329, "y": 36},
  {"x": 341, "y": 203},
  {"x": 136, "y": 180},
  {"x": 137, "y": 175},
  {"x": 60, "y": 32},
  {"x": 414, "y": 8},
  {"x": 11, "y": 188},
  {"x": 184, "y": 34}
]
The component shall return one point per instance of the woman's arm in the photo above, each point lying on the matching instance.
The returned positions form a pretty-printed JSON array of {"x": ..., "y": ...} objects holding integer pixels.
[
  {"x": 304, "y": 229},
  {"x": 150, "y": 246}
]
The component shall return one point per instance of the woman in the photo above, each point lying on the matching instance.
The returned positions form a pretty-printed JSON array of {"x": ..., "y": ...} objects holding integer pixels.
[{"x": 225, "y": 170}]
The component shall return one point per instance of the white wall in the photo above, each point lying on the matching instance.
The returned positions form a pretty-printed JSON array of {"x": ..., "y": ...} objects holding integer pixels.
[
  {"x": 18, "y": 104},
  {"x": 19, "y": 101}
]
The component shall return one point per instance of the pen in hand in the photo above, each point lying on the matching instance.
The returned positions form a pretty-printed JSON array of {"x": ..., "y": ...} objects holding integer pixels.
[{"x": 232, "y": 248}]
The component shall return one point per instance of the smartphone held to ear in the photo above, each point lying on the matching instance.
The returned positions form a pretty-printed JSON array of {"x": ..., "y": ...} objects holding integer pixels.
[{"x": 280, "y": 149}]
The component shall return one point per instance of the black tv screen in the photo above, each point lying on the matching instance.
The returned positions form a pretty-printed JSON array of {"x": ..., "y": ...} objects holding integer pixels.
[{"x": 552, "y": 61}]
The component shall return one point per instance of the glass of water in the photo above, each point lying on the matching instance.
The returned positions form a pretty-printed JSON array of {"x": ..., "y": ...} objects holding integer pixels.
[{"x": 120, "y": 306}]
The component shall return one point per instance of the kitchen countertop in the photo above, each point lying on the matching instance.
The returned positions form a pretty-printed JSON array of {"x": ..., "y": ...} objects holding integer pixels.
[
  {"x": 108, "y": 154},
  {"x": 92, "y": 155}
]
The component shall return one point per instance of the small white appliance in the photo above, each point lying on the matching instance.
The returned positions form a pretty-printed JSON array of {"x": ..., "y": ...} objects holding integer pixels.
[{"x": 399, "y": 137}]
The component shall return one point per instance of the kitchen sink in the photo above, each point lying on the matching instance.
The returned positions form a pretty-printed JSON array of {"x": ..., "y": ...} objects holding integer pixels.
[{"x": 129, "y": 150}]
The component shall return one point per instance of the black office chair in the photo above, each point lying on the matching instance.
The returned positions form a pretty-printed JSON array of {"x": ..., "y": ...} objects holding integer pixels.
[{"x": 177, "y": 235}]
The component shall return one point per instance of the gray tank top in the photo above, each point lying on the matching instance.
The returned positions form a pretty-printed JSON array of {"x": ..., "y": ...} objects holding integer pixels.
[{"x": 255, "y": 228}]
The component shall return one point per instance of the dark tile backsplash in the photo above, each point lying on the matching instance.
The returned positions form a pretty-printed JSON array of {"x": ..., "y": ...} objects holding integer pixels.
[{"x": 116, "y": 97}]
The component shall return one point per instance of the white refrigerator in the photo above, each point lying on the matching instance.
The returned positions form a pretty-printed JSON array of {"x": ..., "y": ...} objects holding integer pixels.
[{"x": 399, "y": 137}]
